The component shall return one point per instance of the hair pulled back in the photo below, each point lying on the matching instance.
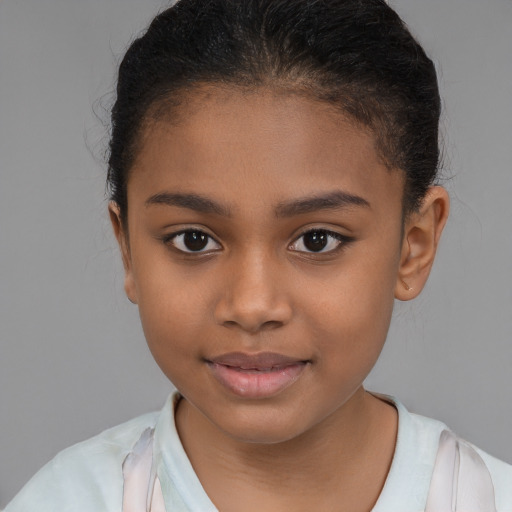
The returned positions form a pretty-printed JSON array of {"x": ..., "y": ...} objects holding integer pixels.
[{"x": 357, "y": 55}]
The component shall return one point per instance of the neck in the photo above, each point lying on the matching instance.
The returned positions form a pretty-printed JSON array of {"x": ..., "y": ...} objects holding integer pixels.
[{"x": 344, "y": 459}]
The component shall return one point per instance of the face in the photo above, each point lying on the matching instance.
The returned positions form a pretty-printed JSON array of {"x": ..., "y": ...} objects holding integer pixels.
[{"x": 264, "y": 245}]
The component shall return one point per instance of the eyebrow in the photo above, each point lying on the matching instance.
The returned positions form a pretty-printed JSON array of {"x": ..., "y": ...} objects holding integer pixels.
[
  {"x": 330, "y": 201},
  {"x": 191, "y": 201}
]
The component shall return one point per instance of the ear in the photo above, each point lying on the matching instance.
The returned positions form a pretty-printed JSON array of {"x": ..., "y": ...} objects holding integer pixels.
[
  {"x": 422, "y": 232},
  {"x": 124, "y": 246}
]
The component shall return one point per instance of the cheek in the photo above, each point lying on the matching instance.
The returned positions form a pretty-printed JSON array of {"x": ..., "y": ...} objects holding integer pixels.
[
  {"x": 351, "y": 316},
  {"x": 174, "y": 312}
]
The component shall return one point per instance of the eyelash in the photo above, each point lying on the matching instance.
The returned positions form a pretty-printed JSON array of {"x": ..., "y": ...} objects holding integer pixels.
[
  {"x": 169, "y": 240},
  {"x": 342, "y": 240}
]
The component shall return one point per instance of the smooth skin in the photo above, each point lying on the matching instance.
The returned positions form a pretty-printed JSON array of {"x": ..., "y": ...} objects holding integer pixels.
[{"x": 258, "y": 175}]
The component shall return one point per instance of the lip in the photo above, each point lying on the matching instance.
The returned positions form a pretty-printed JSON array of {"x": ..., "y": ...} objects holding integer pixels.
[{"x": 261, "y": 375}]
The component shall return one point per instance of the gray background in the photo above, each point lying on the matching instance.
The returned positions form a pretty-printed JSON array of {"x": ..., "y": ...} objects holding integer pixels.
[{"x": 72, "y": 355}]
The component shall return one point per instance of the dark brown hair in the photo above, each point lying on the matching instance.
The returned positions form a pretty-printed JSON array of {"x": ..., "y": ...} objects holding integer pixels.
[{"x": 357, "y": 55}]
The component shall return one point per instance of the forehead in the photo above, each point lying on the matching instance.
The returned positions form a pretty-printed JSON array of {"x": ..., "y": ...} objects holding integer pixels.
[{"x": 259, "y": 145}]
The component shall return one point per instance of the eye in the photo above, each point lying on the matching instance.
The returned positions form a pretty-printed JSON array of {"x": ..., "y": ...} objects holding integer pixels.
[
  {"x": 192, "y": 240},
  {"x": 319, "y": 241}
]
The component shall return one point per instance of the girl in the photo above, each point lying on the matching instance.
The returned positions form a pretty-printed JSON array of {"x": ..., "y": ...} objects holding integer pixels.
[{"x": 272, "y": 173}]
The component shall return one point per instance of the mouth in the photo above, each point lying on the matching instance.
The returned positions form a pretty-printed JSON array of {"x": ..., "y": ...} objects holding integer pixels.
[{"x": 260, "y": 375}]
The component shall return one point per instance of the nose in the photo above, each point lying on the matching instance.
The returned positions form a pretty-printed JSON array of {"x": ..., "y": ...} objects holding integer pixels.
[{"x": 253, "y": 298}]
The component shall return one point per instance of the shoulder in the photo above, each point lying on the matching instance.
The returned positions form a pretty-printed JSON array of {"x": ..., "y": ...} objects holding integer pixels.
[
  {"x": 499, "y": 471},
  {"x": 86, "y": 476},
  {"x": 501, "y": 474},
  {"x": 425, "y": 468}
]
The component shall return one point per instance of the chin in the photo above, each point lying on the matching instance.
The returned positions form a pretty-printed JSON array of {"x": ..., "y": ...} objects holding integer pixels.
[{"x": 270, "y": 428}]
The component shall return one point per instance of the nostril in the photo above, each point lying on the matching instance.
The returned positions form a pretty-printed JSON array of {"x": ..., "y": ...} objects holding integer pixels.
[
  {"x": 265, "y": 326},
  {"x": 253, "y": 303},
  {"x": 271, "y": 324}
]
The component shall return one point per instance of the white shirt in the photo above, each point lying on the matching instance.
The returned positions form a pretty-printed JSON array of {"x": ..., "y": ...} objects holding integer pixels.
[{"x": 88, "y": 477}]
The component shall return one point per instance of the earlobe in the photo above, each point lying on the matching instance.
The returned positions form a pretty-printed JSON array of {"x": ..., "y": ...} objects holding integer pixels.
[
  {"x": 122, "y": 240},
  {"x": 422, "y": 232}
]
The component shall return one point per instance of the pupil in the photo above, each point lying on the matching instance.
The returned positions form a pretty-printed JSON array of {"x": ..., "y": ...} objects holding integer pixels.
[
  {"x": 315, "y": 241},
  {"x": 195, "y": 241}
]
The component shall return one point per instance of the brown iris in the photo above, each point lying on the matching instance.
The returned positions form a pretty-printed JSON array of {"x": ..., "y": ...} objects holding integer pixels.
[
  {"x": 315, "y": 240},
  {"x": 195, "y": 240}
]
